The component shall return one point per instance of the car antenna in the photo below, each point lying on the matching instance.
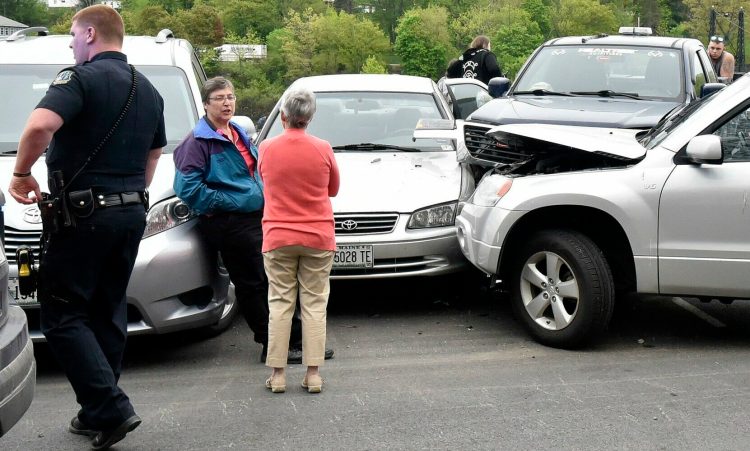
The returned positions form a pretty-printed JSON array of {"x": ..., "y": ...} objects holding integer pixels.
[{"x": 587, "y": 38}]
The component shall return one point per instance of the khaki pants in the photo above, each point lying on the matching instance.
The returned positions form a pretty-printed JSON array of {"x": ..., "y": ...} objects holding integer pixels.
[{"x": 289, "y": 269}]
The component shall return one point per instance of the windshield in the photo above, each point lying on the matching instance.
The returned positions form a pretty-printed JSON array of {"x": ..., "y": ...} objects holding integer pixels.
[
  {"x": 25, "y": 85},
  {"x": 656, "y": 135},
  {"x": 646, "y": 72},
  {"x": 382, "y": 121}
]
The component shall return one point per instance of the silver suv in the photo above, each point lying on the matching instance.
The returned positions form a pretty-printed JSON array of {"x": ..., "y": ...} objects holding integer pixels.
[
  {"x": 176, "y": 284},
  {"x": 590, "y": 213}
]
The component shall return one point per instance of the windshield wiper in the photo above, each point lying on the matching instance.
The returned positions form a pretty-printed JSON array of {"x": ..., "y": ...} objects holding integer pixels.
[
  {"x": 609, "y": 93},
  {"x": 545, "y": 92},
  {"x": 10, "y": 152},
  {"x": 369, "y": 147}
]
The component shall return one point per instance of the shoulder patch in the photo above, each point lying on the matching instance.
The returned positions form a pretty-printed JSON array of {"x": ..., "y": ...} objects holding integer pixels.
[{"x": 63, "y": 77}]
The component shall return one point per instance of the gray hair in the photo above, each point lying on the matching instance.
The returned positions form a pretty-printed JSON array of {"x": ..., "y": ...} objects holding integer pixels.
[
  {"x": 298, "y": 105},
  {"x": 214, "y": 84}
]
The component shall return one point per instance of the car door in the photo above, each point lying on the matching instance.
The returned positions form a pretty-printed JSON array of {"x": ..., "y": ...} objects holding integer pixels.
[
  {"x": 466, "y": 97},
  {"x": 704, "y": 220}
]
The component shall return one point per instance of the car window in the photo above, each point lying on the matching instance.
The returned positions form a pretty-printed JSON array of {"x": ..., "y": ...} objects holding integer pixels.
[
  {"x": 25, "y": 85},
  {"x": 389, "y": 118},
  {"x": 467, "y": 98},
  {"x": 735, "y": 137},
  {"x": 649, "y": 72}
]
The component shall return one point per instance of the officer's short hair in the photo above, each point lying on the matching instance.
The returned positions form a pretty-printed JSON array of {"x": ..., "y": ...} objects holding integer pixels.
[
  {"x": 214, "y": 84},
  {"x": 106, "y": 21},
  {"x": 298, "y": 105}
]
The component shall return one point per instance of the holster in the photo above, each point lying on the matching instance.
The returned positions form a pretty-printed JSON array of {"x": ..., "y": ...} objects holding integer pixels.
[{"x": 55, "y": 213}]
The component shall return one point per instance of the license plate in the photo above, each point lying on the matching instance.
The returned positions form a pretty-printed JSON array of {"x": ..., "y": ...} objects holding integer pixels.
[
  {"x": 15, "y": 295},
  {"x": 353, "y": 256}
]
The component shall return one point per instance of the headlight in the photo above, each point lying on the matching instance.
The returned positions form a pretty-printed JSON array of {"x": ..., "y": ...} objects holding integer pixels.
[
  {"x": 490, "y": 190},
  {"x": 165, "y": 215},
  {"x": 437, "y": 216}
]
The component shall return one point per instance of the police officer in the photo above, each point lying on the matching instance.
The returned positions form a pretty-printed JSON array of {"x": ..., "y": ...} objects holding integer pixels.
[{"x": 85, "y": 266}]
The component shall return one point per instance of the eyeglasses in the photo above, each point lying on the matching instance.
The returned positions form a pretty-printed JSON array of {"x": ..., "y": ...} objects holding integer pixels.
[
  {"x": 221, "y": 99},
  {"x": 717, "y": 39}
]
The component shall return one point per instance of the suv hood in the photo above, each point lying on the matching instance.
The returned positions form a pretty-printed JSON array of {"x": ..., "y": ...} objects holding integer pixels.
[
  {"x": 401, "y": 182},
  {"x": 26, "y": 217},
  {"x": 618, "y": 112},
  {"x": 546, "y": 148}
]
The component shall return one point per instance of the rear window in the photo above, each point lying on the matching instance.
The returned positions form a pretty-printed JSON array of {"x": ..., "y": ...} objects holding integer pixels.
[
  {"x": 649, "y": 72},
  {"x": 23, "y": 86}
]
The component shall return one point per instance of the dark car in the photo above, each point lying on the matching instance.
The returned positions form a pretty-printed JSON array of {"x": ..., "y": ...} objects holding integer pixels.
[{"x": 628, "y": 81}]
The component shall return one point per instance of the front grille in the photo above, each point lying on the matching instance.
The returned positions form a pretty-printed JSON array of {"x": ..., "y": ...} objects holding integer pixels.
[
  {"x": 364, "y": 223},
  {"x": 486, "y": 148},
  {"x": 15, "y": 238}
]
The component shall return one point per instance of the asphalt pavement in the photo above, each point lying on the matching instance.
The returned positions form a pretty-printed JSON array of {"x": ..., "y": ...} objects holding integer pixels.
[{"x": 431, "y": 366}]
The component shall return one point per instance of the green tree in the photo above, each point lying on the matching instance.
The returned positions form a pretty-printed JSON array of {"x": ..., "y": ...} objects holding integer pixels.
[
  {"x": 147, "y": 21},
  {"x": 200, "y": 25},
  {"x": 258, "y": 16},
  {"x": 387, "y": 13},
  {"x": 28, "y": 12},
  {"x": 423, "y": 41},
  {"x": 513, "y": 33},
  {"x": 373, "y": 66},
  {"x": 568, "y": 18}
]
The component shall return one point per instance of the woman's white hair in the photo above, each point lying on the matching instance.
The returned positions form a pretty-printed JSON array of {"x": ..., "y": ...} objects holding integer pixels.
[{"x": 298, "y": 105}]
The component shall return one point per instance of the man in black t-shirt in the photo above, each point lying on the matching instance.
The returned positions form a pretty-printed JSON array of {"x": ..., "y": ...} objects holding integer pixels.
[
  {"x": 477, "y": 62},
  {"x": 100, "y": 103}
]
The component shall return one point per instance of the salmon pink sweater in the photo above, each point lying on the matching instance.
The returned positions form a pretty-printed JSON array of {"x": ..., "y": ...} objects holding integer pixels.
[{"x": 299, "y": 176}]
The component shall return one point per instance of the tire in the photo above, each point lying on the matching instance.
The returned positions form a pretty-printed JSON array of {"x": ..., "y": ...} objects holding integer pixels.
[
  {"x": 231, "y": 310},
  {"x": 567, "y": 306}
]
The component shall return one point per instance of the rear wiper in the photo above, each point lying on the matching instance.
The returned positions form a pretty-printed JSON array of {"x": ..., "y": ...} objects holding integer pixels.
[
  {"x": 368, "y": 147},
  {"x": 609, "y": 93},
  {"x": 545, "y": 92}
]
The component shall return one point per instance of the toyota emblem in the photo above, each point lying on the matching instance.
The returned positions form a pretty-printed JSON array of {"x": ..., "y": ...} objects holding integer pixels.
[
  {"x": 349, "y": 224},
  {"x": 32, "y": 215}
]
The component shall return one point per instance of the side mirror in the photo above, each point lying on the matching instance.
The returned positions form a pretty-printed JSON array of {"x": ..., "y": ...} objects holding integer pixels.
[
  {"x": 710, "y": 88},
  {"x": 246, "y": 123},
  {"x": 704, "y": 149},
  {"x": 498, "y": 86}
]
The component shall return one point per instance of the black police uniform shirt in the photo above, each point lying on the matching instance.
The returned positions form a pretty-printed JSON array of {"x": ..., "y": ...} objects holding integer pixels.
[{"x": 89, "y": 98}]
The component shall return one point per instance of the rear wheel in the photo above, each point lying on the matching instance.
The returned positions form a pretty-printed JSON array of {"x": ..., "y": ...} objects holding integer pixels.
[{"x": 562, "y": 288}]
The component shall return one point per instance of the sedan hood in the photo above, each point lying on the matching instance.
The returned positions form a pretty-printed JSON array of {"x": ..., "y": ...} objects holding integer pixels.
[
  {"x": 26, "y": 217},
  {"x": 618, "y": 112},
  {"x": 401, "y": 182}
]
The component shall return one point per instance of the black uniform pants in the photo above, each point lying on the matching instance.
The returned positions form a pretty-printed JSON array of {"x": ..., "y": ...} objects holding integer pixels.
[{"x": 83, "y": 276}]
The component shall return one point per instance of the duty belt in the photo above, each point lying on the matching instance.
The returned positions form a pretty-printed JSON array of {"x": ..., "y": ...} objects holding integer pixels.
[{"x": 113, "y": 200}]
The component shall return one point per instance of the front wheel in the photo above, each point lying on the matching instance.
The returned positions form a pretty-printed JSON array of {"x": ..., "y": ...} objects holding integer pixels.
[{"x": 562, "y": 288}]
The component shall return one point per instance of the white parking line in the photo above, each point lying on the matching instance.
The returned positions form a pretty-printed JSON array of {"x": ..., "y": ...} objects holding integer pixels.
[{"x": 698, "y": 312}]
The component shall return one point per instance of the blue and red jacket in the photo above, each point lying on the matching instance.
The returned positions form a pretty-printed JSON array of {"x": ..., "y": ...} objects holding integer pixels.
[{"x": 211, "y": 176}]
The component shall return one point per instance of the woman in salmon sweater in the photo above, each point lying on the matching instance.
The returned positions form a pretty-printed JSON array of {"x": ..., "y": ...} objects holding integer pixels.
[{"x": 300, "y": 175}]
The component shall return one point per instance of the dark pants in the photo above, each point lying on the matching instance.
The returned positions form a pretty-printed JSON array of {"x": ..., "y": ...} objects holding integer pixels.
[
  {"x": 83, "y": 275},
  {"x": 239, "y": 239}
]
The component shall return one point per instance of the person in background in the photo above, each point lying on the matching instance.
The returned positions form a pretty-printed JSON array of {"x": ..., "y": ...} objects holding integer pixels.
[
  {"x": 85, "y": 265},
  {"x": 721, "y": 60},
  {"x": 477, "y": 62},
  {"x": 300, "y": 175}
]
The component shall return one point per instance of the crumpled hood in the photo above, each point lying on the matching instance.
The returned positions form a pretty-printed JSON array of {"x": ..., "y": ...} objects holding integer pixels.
[
  {"x": 589, "y": 111},
  {"x": 26, "y": 217},
  {"x": 609, "y": 142},
  {"x": 402, "y": 182}
]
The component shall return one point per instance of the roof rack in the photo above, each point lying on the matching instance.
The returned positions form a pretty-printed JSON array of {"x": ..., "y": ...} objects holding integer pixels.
[
  {"x": 40, "y": 31},
  {"x": 163, "y": 35}
]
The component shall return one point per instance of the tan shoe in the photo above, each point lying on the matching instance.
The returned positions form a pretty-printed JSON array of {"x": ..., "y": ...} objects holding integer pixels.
[
  {"x": 277, "y": 384},
  {"x": 313, "y": 384}
]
